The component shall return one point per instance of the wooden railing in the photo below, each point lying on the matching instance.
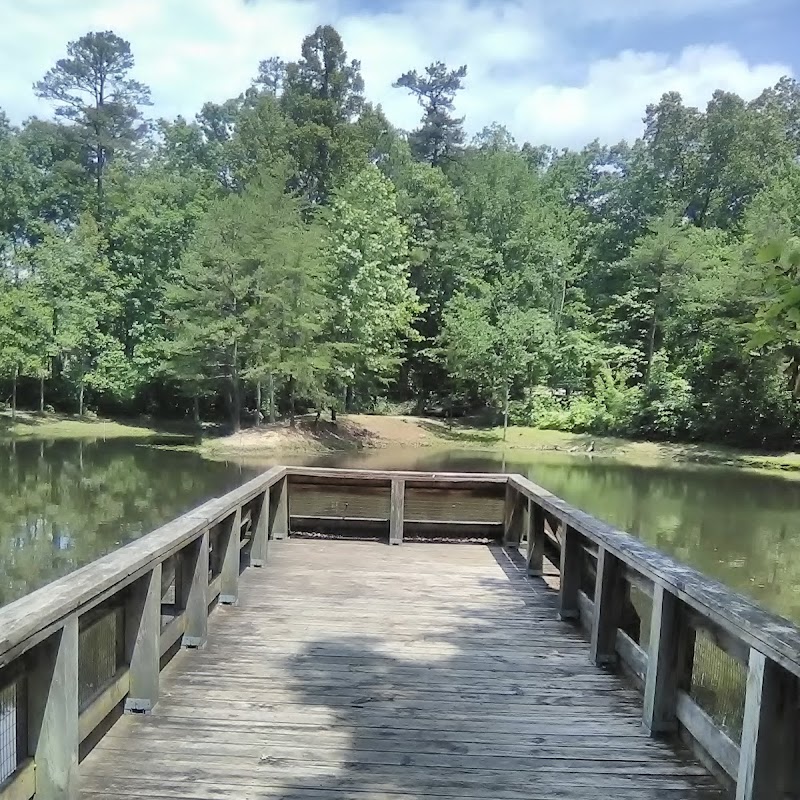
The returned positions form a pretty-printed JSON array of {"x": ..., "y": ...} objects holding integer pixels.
[
  {"x": 87, "y": 645},
  {"x": 765, "y": 761},
  {"x": 78, "y": 652}
]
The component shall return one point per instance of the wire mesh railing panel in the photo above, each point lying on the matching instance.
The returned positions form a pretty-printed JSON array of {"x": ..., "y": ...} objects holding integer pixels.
[
  {"x": 719, "y": 684},
  {"x": 326, "y": 501},
  {"x": 442, "y": 506},
  {"x": 100, "y": 653},
  {"x": 10, "y": 757}
]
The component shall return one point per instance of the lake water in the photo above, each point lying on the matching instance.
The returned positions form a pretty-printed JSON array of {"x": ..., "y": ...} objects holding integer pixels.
[{"x": 63, "y": 504}]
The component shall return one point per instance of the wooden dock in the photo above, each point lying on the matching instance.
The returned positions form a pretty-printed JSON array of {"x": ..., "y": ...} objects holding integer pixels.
[{"x": 351, "y": 669}]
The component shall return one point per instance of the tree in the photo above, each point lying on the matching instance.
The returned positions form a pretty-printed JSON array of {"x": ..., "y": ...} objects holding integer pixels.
[
  {"x": 17, "y": 180},
  {"x": 247, "y": 303},
  {"x": 367, "y": 247},
  {"x": 441, "y": 253},
  {"x": 23, "y": 334},
  {"x": 323, "y": 95},
  {"x": 93, "y": 90},
  {"x": 76, "y": 281},
  {"x": 290, "y": 314},
  {"x": 492, "y": 345},
  {"x": 440, "y": 135},
  {"x": 209, "y": 302}
]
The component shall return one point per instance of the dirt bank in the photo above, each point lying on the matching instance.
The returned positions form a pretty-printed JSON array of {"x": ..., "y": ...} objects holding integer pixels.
[{"x": 363, "y": 431}]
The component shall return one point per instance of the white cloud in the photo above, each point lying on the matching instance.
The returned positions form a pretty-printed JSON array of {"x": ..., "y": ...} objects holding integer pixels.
[
  {"x": 190, "y": 51},
  {"x": 627, "y": 10},
  {"x": 611, "y": 102}
]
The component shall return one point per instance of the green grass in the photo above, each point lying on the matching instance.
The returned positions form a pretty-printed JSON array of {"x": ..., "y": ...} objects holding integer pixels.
[
  {"x": 464, "y": 435},
  {"x": 58, "y": 426}
]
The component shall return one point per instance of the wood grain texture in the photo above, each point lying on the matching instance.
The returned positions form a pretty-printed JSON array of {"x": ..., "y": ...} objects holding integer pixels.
[{"x": 355, "y": 670}]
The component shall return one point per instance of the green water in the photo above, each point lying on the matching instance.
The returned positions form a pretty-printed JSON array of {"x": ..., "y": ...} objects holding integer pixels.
[{"x": 63, "y": 504}]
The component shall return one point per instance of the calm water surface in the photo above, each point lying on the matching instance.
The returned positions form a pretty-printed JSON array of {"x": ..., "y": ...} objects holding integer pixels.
[{"x": 65, "y": 503}]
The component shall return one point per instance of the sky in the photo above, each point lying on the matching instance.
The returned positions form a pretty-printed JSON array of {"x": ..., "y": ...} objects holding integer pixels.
[{"x": 560, "y": 72}]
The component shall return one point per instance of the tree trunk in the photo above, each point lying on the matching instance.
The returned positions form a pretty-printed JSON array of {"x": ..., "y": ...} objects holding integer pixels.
[
  {"x": 80, "y": 398},
  {"x": 271, "y": 396},
  {"x": 505, "y": 410},
  {"x": 196, "y": 410},
  {"x": 14, "y": 393},
  {"x": 41, "y": 394},
  {"x": 291, "y": 403},
  {"x": 236, "y": 398},
  {"x": 562, "y": 302},
  {"x": 651, "y": 346},
  {"x": 258, "y": 404}
]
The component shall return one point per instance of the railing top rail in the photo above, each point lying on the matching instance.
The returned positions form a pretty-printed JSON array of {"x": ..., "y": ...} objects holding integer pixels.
[
  {"x": 770, "y": 634},
  {"x": 26, "y": 621},
  {"x": 440, "y": 479}
]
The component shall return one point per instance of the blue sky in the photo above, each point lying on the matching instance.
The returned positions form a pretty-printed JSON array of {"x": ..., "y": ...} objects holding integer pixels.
[{"x": 557, "y": 71}]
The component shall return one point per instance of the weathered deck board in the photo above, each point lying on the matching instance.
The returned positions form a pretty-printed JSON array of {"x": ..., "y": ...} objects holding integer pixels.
[{"x": 355, "y": 670}]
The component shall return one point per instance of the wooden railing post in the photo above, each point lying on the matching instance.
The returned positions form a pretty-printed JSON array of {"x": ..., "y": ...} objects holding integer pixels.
[
  {"x": 53, "y": 736},
  {"x": 194, "y": 591},
  {"x": 609, "y": 597},
  {"x": 142, "y": 641},
  {"x": 260, "y": 548},
  {"x": 535, "y": 552},
  {"x": 230, "y": 541},
  {"x": 279, "y": 509},
  {"x": 769, "y": 731},
  {"x": 571, "y": 556},
  {"x": 513, "y": 517},
  {"x": 669, "y": 662},
  {"x": 397, "y": 511}
]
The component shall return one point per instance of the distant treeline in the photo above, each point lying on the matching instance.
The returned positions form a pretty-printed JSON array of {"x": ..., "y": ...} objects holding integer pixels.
[{"x": 291, "y": 249}]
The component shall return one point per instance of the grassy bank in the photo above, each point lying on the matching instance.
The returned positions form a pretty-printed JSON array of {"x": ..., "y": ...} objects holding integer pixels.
[
  {"x": 360, "y": 432},
  {"x": 28, "y": 425}
]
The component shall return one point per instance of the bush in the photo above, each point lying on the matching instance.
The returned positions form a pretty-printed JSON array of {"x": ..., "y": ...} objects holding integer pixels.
[
  {"x": 390, "y": 408},
  {"x": 667, "y": 402},
  {"x": 611, "y": 408}
]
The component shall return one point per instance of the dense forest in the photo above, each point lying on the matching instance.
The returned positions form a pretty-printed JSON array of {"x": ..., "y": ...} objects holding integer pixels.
[{"x": 290, "y": 250}]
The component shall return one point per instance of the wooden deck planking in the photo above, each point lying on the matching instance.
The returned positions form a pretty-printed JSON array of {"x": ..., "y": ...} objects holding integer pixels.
[{"x": 355, "y": 670}]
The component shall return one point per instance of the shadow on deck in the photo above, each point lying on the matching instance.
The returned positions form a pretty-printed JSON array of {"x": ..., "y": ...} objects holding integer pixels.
[{"x": 352, "y": 669}]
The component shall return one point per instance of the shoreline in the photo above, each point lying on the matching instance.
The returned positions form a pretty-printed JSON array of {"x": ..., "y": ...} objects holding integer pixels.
[{"x": 362, "y": 432}]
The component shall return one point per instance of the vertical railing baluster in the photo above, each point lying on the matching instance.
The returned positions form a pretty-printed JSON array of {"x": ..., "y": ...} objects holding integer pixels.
[
  {"x": 669, "y": 663},
  {"x": 193, "y": 585},
  {"x": 143, "y": 640},
  {"x": 53, "y": 736},
  {"x": 230, "y": 540},
  {"x": 512, "y": 517},
  {"x": 279, "y": 509},
  {"x": 397, "y": 511},
  {"x": 769, "y": 731},
  {"x": 535, "y": 550},
  {"x": 260, "y": 548},
  {"x": 609, "y": 597},
  {"x": 570, "y": 569}
]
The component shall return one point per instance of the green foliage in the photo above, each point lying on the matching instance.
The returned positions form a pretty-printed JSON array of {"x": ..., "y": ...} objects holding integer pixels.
[
  {"x": 92, "y": 89},
  {"x": 367, "y": 248},
  {"x": 290, "y": 244},
  {"x": 440, "y": 135}
]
